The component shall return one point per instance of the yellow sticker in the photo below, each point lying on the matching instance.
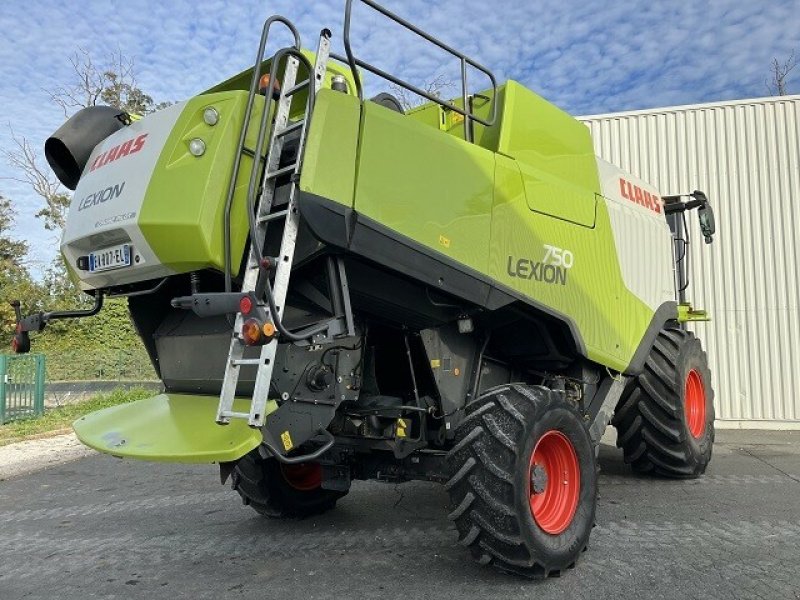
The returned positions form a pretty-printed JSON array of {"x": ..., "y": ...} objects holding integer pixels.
[
  {"x": 457, "y": 118},
  {"x": 436, "y": 363},
  {"x": 444, "y": 241},
  {"x": 402, "y": 424},
  {"x": 287, "y": 441}
]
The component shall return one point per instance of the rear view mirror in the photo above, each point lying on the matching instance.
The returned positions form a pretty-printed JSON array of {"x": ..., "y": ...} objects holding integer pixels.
[
  {"x": 705, "y": 214},
  {"x": 707, "y": 224}
]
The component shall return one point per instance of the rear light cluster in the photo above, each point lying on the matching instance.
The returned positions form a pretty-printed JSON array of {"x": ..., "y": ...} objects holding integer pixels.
[
  {"x": 21, "y": 343},
  {"x": 256, "y": 328}
]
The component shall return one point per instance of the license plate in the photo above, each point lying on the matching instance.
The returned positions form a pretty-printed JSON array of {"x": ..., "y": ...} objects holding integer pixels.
[{"x": 115, "y": 257}]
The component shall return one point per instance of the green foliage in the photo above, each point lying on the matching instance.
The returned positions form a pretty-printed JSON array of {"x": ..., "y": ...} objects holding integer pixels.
[
  {"x": 60, "y": 418},
  {"x": 103, "y": 347},
  {"x": 11, "y": 251}
]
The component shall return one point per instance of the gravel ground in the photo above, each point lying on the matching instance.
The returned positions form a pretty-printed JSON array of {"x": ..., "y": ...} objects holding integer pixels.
[
  {"x": 105, "y": 528},
  {"x": 34, "y": 455}
]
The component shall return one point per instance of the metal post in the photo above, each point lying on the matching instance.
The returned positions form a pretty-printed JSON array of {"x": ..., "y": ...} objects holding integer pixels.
[
  {"x": 38, "y": 402},
  {"x": 3, "y": 375},
  {"x": 465, "y": 96}
]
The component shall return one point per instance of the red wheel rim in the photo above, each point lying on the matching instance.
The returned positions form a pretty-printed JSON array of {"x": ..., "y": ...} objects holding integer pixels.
[
  {"x": 554, "y": 482},
  {"x": 303, "y": 477},
  {"x": 695, "y": 404}
]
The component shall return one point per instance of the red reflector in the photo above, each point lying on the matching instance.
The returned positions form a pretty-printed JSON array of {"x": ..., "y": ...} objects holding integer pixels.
[
  {"x": 251, "y": 332},
  {"x": 245, "y": 305},
  {"x": 14, "y": 345}
]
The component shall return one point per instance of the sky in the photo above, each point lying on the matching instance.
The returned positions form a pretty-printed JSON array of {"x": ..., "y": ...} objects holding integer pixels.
[{"x": 586, "y": 56}]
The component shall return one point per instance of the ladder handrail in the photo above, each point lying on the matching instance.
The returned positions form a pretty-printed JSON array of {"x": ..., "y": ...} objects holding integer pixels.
[
  {"x": 354, "y": 62},
  {"x": 264, "y": 126},
  {"x": 226, "y": 229}
]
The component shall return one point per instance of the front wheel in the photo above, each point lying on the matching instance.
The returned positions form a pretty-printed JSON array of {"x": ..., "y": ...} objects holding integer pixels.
[
  {"x": 665, "y": 421},
  {"x": 523, "y": 481}
]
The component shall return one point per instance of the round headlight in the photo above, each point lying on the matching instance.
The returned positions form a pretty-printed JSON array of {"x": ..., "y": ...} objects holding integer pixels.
[
  {"x": 211, "y": 116},
  {"x": 197, "y": 147}
]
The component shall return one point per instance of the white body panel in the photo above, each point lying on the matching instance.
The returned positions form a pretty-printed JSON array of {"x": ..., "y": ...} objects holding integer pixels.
[
  {"x": 745, "y": 155},
  {"x": 106, "y": 204},
  {"x": 641, "y": 234}
]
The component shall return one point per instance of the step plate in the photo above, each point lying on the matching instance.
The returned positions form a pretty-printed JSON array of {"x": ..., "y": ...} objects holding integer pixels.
[{"x": 169, "y": 428}]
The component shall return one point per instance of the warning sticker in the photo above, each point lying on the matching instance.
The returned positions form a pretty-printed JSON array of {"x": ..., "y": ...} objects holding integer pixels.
[
  {"x": 402, "y": 426},
  {"x": 287, "y": 441}
]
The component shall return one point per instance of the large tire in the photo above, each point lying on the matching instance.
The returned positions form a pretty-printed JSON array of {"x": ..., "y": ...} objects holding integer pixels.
[
  {"x": 665, "y": 421},
  {"x": 511, "y": 511},
  {"x": 278, "y": 492}
]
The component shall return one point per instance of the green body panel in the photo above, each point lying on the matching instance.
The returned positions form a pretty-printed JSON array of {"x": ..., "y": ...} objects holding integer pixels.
[
  {"x": 433, "y": 188},
  {"x": 329, "y": 165},
  {"x": 242, "y": 81},
  {"x": 488, "y": 210},
  {"x": 169, "y": 428},
  {"x": 610, "y": 319},
  {"x": 182, "y": 218},
  {"x": 555, "y": 155}
]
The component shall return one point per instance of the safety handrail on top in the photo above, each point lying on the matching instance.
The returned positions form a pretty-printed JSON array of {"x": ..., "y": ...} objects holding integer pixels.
[{"x": 354, "y": 63}]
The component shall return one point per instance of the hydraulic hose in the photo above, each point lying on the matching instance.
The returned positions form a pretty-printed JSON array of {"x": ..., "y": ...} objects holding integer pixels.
[{"x": 285, "y": 333}]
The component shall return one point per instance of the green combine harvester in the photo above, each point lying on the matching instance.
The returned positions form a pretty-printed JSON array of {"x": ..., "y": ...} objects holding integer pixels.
[{"x": 332, "y": 288}]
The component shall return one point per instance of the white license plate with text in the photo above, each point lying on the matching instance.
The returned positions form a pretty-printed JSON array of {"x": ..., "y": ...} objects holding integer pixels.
[{"x": 115, "y": 257}]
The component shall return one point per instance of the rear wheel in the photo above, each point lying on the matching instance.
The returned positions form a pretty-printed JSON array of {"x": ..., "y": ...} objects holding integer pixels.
[
  {"x": 277, "y": 490},
  {"x": 665, "y": 422},
  {"x": 523, "y": 481}
]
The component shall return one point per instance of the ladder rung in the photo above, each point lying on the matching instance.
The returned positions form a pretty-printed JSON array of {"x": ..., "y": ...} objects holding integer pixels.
[
  {"x": 243, "y": 362},
  {"x": 276, "y": 215},
  {"x": 231, "y": 414},
  {"x": 290, "y": 128},
  {"x": 293, "y": 90},
  {"x": 279, "y": 172}
]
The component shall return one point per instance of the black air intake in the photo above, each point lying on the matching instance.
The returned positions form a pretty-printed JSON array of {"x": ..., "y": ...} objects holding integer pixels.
[{"x": 69, "y": 148}]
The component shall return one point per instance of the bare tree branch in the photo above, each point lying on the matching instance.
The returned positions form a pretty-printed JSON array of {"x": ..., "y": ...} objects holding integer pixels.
[
  {"x": 113, "y": 83},
  {"x": 779, "y": 72},
  {"x": 26, "y": 161},
  {"x": 436, "y": 87}
]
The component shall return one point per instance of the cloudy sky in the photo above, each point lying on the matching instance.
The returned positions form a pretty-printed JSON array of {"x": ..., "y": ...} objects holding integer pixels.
[{"x": 587, "y": 56}]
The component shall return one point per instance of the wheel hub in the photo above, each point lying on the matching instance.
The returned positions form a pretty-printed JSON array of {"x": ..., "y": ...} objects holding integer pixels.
[
  {"x": 304, "y": 476},
  {"x": 538, "y": 479},
  {"x": 554, "y": 482},
  {"x": 695, "y": 404}
]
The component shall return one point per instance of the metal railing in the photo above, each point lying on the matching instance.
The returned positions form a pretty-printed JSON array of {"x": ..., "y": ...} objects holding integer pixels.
[
  {"x": 354, "y": 63},
  {"x": 21, "y": 386},
  {"x": 466, "y": 112},
  {"x": 253, "y": 91}
]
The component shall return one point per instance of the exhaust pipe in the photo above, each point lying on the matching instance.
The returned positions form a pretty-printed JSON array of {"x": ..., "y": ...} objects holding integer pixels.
[{"x": 67, "y": 151}]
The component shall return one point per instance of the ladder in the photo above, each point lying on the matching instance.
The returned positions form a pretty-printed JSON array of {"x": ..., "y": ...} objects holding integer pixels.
[{"x": 263, "y": 216}]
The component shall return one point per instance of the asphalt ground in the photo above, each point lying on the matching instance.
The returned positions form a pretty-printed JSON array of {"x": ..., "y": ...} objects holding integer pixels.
[{"x": 105, "y": 528}]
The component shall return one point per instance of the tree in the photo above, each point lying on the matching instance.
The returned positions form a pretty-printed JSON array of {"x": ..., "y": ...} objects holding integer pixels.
[
  {"x": 113, "y": 84},
  {"x": 12, "y": 252},
  {"x": 436, "y": 87},
  {"x": 15, "y": 281},
  {"x": 779, "y": 72},
  {"x": 26, "y": 161}
]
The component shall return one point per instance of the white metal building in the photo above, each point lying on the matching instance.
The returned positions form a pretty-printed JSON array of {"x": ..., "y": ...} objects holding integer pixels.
[{"x": 746, "y": 156}]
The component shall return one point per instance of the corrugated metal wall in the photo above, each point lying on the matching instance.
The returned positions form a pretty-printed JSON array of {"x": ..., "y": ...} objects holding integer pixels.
[{"x": 746, "y": 156}]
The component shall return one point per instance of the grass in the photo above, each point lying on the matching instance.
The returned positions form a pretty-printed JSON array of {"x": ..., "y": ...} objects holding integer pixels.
[{"x": 59, "y": 419}]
